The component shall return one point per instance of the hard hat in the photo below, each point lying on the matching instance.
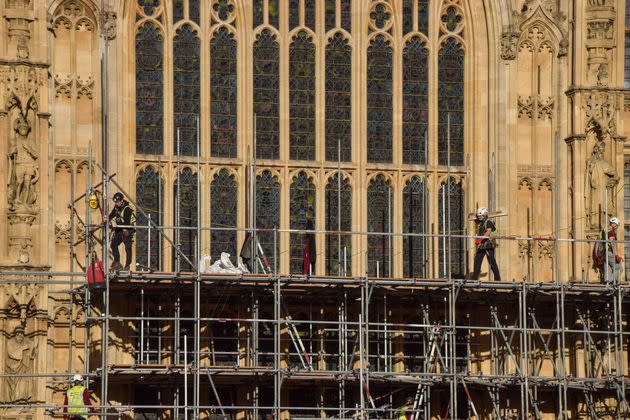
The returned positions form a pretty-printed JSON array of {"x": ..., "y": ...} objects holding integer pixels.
[
  {"x": 482, "y": 211},
  {"x": 614, "y": 221},
  {"x": 77, "y": 378},
  {"x": 118, "y": 196}
]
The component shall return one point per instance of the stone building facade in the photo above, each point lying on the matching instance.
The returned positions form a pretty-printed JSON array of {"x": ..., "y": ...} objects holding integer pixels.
[{"x": 352, "y": 115}]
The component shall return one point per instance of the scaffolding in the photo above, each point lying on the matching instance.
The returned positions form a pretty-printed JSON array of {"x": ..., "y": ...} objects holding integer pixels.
[{"x": 188, "y": 344}]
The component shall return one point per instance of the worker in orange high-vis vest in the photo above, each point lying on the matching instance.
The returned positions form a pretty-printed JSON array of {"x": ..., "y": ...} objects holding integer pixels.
[{"x": 77, "y": 402}]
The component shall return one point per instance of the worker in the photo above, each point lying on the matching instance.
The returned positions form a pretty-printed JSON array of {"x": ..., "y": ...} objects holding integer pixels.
[
  {"x": 405, "y": 412},
  {"x": 77, "y": 400},
  {"x": 607, "y": 258},
  {"x": 485, "y": 244},
  {"x": 122, "y": 215}
]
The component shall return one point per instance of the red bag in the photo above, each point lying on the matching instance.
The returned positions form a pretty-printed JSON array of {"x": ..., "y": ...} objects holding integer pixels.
[{"x": 96, "y": 274}]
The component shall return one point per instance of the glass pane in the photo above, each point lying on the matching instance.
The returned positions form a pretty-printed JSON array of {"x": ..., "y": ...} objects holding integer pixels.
[
  {"x": 451, "y": 222},
  {"x": 407, "y": 16},
  {"x": 338, "y": 218},
  {"x": 186, "y": 90},
  {"x": 274, "y": 13},
  {"x": 302, "y": 97},
  {"x": 415, "y": 101},
  {"x": 346, "y": 15},
  {"x": 379, "y": 208},
  {"x": 149, "y": 198},
  {"x": 266, "y": 88},
  {"x": 223, "y": 214},
  {"x": 302, "y": 216},
  {"x": 267, "y": 211},
  {"x": 257, "y": 12},
  {"x": 338, "y": 98},
  {"x": 149, "y": 90},
  {"x": 330, "y": 14},
  {"x": 415, "y": 260},
  {"x": 148, "y": 6},
  {"x": 178, "y": 10},
  {"x": 193, "y": 10},
  {"x": 223, "y": 94},
  {"x": 451, "y": 102},
  {"x": 186, "y": 219},
  {"x": 309, "y": 14},
  {"x": 423, "y": 16},
  {"x": 626, "y": 66},
  {"x": 379, "y": 98},
  {"x": 294, "y": 14}
]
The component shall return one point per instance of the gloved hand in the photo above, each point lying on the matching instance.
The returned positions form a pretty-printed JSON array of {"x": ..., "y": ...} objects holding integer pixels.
[
  {"x": 478, "y": 241},
  {"x": 617, "y": 259},
  {"x": 599, "y": 261},
  {"x": 125, "y": 232}
]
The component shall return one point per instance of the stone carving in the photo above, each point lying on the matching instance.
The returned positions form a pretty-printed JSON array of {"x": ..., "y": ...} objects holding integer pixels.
[
  {"x": 109, "y": 26},
  {"x": 542, "y": 23},
  {"x": 509, "y": 44},
  {"x": 20, "y": 16},
  {"x": 601, "y": 183},
  {"x": 598, "y": 2},
  {"x": 21, "y": 300},
  {"x": 23, "y": 168},
  {"x": 602, "y": 107},
  {"x": 545, "y": 107},
  {"x": 21, "y": 352},
  {"x": 600, "y": 40},
  {"x": 525, "y": 106},
  {"x": 539, "y": 107}
]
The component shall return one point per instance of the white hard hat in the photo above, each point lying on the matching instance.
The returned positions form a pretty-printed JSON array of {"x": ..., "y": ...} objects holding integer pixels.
[
  {"x": 482, "y": 211},
  {"x": 614, "y": 221},
  {"x": 77, "y": 378}
]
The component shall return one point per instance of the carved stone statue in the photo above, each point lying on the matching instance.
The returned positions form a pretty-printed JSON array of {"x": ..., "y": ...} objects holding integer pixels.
[
  {"x": 24, "y": 171},
  {"x": 601, "y": 186},
  {"x": 20, "y": 356}
]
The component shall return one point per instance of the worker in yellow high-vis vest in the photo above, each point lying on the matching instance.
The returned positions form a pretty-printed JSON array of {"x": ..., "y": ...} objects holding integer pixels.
[
  {"x": 77, "y": 401},
  {"x": 404, "y": 412}
]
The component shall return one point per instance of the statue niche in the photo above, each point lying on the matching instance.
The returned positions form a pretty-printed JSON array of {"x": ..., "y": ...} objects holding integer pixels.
[
  {"x": 20, "y": 358},
  {"x": 23, "y": 167},
  {"x": 601, "y": 182}
]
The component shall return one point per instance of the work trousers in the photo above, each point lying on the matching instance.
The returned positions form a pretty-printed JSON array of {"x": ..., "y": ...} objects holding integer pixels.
[
  {"x": 120, "y": 238},
  {"x": 479, "y": 255},
  {"x": 612, "y": 269}
]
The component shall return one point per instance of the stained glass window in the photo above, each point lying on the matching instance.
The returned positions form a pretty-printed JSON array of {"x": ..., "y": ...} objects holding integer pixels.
[
  {"x": 338, "y": 218},
  {"x": 223, "y": 8},
  {"x": 338, "y": 98},
  {"x": 423, "y": 16},
  {"x": 266, "y": 87},
  {"x": 274, "y": 13},
  {"x": 415, "y": 259},
  {"x": 193, "y": 10},
  {"x": 149, "y": 90},
  {"x": 380, "y": 16},
  {"x": 407, "y": 16},
  {"x": 267, "y": 211},
  {"x": 302, "y": 216},
  {"x": 379, "y": 98},
  {"x": 451, "y": 102},
  {"x": 178, "y": 10},
  {"x": 294, "y": 14},
  {"x": 149, "y": 6},
  {"x": 223, "y": 94},
  {"x": 302, "y": 97},
  {"x": 149, "y": 198},
  {"x": 451, "y": 222},
  {"x": 331, "y": 9},
  {"x": 346, "y": 15},
  {"x": 223, "y": 214},
  {"x": 309, "y": 14},
  {"x": 185, "y": 199},
  {"x": 186, "y": 90},
  {"x": 415, "y": 100},
  {"x": 257, "y": 12},
  {"x": 379, "y": 207}
]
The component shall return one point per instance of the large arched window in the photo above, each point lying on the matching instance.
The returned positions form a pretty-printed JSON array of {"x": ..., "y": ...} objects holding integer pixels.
[
  {"x": 451, "y": 103},
  {"x": 149, "y": 198},
  {"x": 185, "y": 212},
  {"x": 302, "y": 216},
  {"x": 379, "y": 100},
  {"x": 266, "y": 92},
  {"x": 267, "y": 212},
  {"x": 302, "y": 97},
  {"x": 338, "y": 99},
  {"x": 379, "y": 212},
  {"x": 149, "y": 90},
  {"x": 223, "y": 94},
  {"x": 451, "y": 222},
  {"x": 186, "y": 90},
  {"x": 415, "y": 101},
  {"x": 223, "y": 214},
  {"x": 415, "y": 256},
  {"x": 338, "y": 218}
]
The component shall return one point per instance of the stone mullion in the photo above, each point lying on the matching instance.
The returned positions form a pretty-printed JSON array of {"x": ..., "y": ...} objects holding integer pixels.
[
  {"x": 204, "y": 127},
  {"x": 433, "y": 183},
  {"x": 359, "y": 134},
  {"x": 284, "y": 140},
  {"x": 320, "y": 137},
  {"x": 397, "y": 144}
]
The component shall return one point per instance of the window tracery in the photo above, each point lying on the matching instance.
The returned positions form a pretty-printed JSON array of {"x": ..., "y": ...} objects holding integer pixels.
[
  {"x": 149, "y": 198},
  {"x": 185, "y": 200},
  {"x": 338, "y": 99},
  {"x": 223, "y": 214},
  {"x": 379, "y": 94},
  {"x": 267, "y": 211},
  {"x": 338, "y": 246},
  {"x": 415, "y": 101},
  {"x": 186, "y": 90},
  {"x": 379, "y": 207},
  {"x": 302, "y": 217},
  {"x": 452, "y": 251},
  {"x": 302, "y": 97},
  {"x": 266, "y": 91},
  {"x": 415, "y": 259},
  {"x": 223, "y": 94}
]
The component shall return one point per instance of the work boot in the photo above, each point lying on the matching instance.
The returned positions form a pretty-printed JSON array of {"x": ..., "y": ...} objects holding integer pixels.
[
  {"x": 116, "y": 266},
  {"x": 127, "y": 268}
]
